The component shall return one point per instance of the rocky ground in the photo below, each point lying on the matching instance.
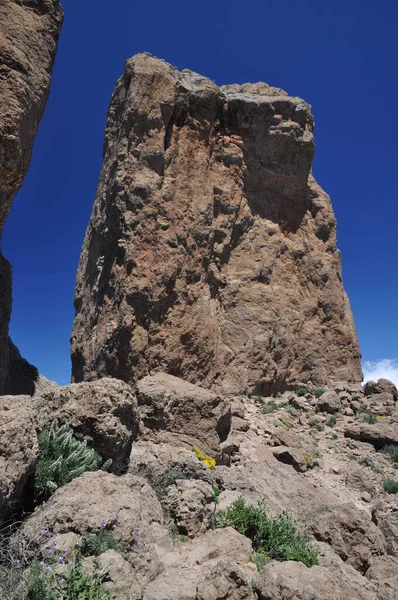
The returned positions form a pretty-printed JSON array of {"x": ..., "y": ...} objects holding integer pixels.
[{"x": 323, "y": 459}]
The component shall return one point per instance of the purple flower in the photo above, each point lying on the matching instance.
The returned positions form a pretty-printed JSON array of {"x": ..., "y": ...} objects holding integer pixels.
[
  {"x": 41, "y": 564},
  {"x": 113, "y": 527},
  {"x": 70, "y": 564},
  {"x": 54, "y": 543},
  {"x": 138, "y": 543},
  {"x": 62, "y": 581},
  {"x": 48, "y": 569},
  {"x": 16, "y": 563},
  {"x": 60, "y": 560},
  {"x": 65, "y": 550},
  {"x": 45, "y": 533},
  {"x": 103, "y": 524},
  {"x": 50, "y": 552},
  {"x": 117, "y": 516},
  {"x": 136, "y": 531}
]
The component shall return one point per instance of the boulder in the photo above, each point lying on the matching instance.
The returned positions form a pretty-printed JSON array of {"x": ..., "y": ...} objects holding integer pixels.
[
  {"x": 190, "y": 503},
  {"x": 349, "y": 531},
  {"x": 190, "y": 568},
  {"x": 175, "y": 411},
  {"x": 294, "y": 581},
  {"x": 379, "y": 435},
  {"x": 18, "y": 452},
  {"x": 104, "y": 411},
  {"x": 225, "y": 580},
  {"x": 382, "y": 385},
  {"x": 91, "y": 501},
  {"x": 329, "y": 402}
]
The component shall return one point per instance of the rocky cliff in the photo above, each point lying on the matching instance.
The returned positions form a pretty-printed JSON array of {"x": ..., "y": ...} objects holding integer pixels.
[
  {"x": 29, "y": 31},
  {"x": 211, "y": 250}
]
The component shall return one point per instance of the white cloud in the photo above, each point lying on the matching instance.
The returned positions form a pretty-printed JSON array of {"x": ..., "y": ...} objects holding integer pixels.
[{"x": 386, "y": 368}]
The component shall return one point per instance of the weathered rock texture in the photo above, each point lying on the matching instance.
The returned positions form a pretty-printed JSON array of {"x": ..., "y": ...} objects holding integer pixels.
[
  {"x": 29, "y": 31},
  {"x": 211, "y": 250}
]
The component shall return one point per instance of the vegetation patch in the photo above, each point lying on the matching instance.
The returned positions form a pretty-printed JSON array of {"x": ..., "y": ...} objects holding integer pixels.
[
  {"x": 301, "y": 391},
  {"x": 390, "y": 486},
  {"x": 392, "y": 450},
  {"x": 210, "y": 462},
  {"x": 280, "y": 538},
  {"x": 273, "y": 406},
  {"x": 317, "y": 392},
  {"x": 62, "y": 457}
]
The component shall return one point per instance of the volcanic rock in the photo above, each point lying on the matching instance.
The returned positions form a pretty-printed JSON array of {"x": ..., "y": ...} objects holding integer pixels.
[
  {"x": 211, "y": 250},
  {"x": 29, "y": 33}
]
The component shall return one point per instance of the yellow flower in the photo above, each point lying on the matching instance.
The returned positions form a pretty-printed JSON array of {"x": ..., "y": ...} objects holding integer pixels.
[{"x": 210, "y": 462}]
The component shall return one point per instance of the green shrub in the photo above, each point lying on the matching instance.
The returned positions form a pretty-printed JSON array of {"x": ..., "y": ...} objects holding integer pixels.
[
  {"x": 393, "y": 452},
  {"x": 94, "y": 544},
  {"x": 390, "y": 486},
  {"x": 62, "y": 457},
  {"x": 273, "y": 406},
  {"x": 217, "y": 493},
  {"x": 314, "y": 423},
  {"x": 45, "y": 584},
  {"x": 259, "y": 400},
  {"x": 317, "y": 392},
  {"x": 370, "y": 418},
  {"x": 301, "y": 391},
  {"x": 279, "y": 538},
  {"x": 332, "y": 421}
]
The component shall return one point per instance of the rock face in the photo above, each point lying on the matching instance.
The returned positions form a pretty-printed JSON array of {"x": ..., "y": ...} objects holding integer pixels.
[
  {"x": 211, "y": 250},
  {"x": 18, "y": 451},
  {"x": 29, "y": 31}
]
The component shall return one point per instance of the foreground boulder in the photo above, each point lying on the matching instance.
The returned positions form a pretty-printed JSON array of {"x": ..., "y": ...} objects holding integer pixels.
[
  {"x": 28, "y": 40},
  {"x": 173, "y": 410},
  {"x": 292, "y": 580},
  {"x": 211, "y": 250},
  {"x": 18, "y": 451},
  {"x": 104, "y": 411}
]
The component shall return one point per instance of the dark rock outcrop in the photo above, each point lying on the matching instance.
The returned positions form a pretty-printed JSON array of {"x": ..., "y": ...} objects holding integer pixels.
[
  {"x": 211, "y": 250},
  {"x": 29, "y": 31}
]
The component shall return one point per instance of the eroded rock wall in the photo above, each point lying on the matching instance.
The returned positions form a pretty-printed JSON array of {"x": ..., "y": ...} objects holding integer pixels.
[
  {"x": 29, "y": 31},
  {"x": 211, "y": 250}
]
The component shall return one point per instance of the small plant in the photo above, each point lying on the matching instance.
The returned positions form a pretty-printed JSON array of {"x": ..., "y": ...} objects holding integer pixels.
[
  {"x": 210, "y": 462},
  {"x": 259, "y": 400},
  {"x": 308, "y": 459},
  {"x": 254, "y": 586},
  {"x": 45, "y": 584},
  {"x": 301, "y": 391},
  {"x": 62, "y": 457},
  {"x": 376, "y": 470},
  {"x": 332, "y": 421},
  {"x": 351, "y": 457},
  {"x": 392, "y": 450},
  {"x": 176, "y": 471},
  {"x": 335, "y": 436},
  {"x": 272, "y": 407},
  {"x": 217, "y": 492},
  {"x": 314, "y": 423},
  {"x": 94, "y": 544},
  {"x": 280, "y": 538},
  {"x": 317, "y": 392},
  {"x": 370, "y": 418},
  {"x": 390, "y": 486},
  {"x": 350, "y": 443},
  {"x": 260, "y": 560}
]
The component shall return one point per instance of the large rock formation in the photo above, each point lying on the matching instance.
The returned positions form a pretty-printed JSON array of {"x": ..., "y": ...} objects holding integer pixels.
[
  {"x": 29, "y": 31},
  {"x": 211, "y": 250}
]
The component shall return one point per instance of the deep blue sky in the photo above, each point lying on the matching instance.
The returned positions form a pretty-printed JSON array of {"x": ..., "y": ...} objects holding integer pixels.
[{"x": 339, "y": 55}]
